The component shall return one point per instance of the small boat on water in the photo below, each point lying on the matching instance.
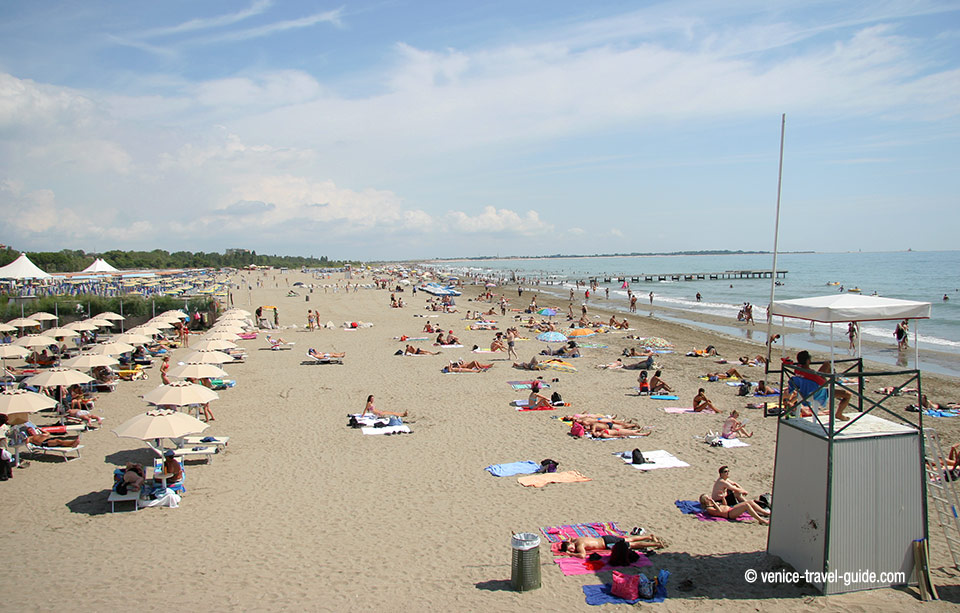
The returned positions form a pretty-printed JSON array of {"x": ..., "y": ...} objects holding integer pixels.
[
  {"x": 854, "y": 290},
  {"x": 833, "y": 283}
]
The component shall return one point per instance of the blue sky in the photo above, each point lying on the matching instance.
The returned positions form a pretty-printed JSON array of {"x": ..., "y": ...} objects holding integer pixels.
[{"x": 401, "y": 129}]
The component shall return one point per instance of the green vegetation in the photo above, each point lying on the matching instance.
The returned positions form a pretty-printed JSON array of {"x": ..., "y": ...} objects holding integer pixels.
[{"x": 69, "y": 260}]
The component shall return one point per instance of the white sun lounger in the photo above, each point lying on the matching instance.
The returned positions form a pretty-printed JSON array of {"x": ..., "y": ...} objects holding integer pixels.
[
  {"x": 193, "y": 441},
  {"x": 315, "y": 360},
  {"x": 191, "y": 452},
  {"x": 114, "y": 498},
  {"x": 61, "y": 451}
]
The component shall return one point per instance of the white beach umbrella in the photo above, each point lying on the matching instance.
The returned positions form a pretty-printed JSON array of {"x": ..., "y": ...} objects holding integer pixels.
[
  {"x": 180, "y": 393},
  {"x": 178, "y": 313},
  {"x": 133, "y": 338},
  {"x": 232, "y": 316},
  {"x": 147, "y": 329},
  {"x": 43, "y": 316},
  {"x": 23, "y": 322},
  {"x": 197, "y": 371},
  {"x": 113, "y": 348},
  {"x": 81, "y": 326},
  {"x": 208, "y": 357},
  {"x": 213, "y": 344},
  {"x": 90, "y": 360},
  {"x": 35, "y": 340},
  {"x": 60, "y": 333},
  {"x": 9, "y": 350},
  {"x": 59, "y": 377},
  {"x": 7, "y": 328},
  {"x": 99, "y": 322},
  {"x": 228, "y": 326},
  {"x": 221, "y": 335},
  {"x": 241, "y": 311},
  {"x": 159, "y": 324},
  {"x": 24, "y": 401},
  {"x": 110, "y": 315},
  {"x": 160, "y": 423}
]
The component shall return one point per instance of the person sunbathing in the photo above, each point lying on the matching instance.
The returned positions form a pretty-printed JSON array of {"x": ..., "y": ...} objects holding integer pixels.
[
  {"x": 451, "y": 339},
  {"x": 733, "y": 373},
  {"x": 618, "y": 363},
  {"x": 582, "y": 545},
  {"x": 428, "y": 328},
  {"x": 497, "y": 344},
  {"x": 411, "y": 350},
  {"x": 37, "y": 437},
  {"x": 274, "y": 341},
  {"x": 702, "y": 403},
  {"x": 471, "y": 366},
  {"x": 757, "y": 361},
  {"x": 658, "y": 385},
  {"x": 321, "y": 355},
  {"x": 531, "y": 365},
  {"x": 726, "y": 491},
  {"x": 133, "y": 476},
  {"x": 715, "y": 509},
  {"x": 699, "y": 353},
  {"x": 172, "y": 467},
  {"x": 536, "y": 399},
  {"x": 370, "y": 408},
  {"x": 103, "y": 374},
  {"x": 733, "y": 427}
]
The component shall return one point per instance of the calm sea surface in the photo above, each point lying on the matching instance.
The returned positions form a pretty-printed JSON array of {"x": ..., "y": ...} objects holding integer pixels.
[{"x": 922, "y": 276}]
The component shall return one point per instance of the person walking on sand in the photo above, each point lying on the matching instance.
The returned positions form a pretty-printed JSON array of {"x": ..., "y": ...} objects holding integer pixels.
[
  {"x": 852, "y": 333},
  {"x": 511, "y": 344},
  {"x": 651, "y": 298}
]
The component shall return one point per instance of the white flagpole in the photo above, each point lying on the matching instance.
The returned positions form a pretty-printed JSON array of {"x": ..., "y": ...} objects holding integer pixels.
[{"x": 776, "y": 238}]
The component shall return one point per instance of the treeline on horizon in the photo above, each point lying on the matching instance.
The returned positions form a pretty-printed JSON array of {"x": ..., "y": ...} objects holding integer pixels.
[
  {"x": 615, "y": 255},
  {"x": 69, "y": 260}
]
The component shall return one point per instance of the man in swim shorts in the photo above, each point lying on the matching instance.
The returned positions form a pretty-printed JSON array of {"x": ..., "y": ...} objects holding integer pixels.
[{"x": 580, "y": 546}]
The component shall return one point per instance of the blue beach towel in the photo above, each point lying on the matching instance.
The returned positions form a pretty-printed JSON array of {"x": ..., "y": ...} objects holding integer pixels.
[
  {"x": 513, "y": 468},
  {"x": 689, "y": 507},
  {"x": 600, "y": 594},
  {"x": 938, "y": 413}
]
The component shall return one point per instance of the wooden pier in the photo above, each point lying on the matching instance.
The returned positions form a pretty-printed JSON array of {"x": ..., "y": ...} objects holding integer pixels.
[{"x": 726, "y": 275}]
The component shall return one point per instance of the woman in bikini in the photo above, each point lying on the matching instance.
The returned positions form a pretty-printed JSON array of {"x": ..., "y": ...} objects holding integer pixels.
[
  {"x": 471, "y": 366},
  {"x": 411, "y": 350},
  {"x": 715, "y": 509},
  {"x": 658, "y": 385},
  {"x": 370, "y": 408}
]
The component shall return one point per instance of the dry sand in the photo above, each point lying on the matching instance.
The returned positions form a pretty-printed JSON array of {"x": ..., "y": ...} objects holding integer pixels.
[{"x": 304, "y": 513}]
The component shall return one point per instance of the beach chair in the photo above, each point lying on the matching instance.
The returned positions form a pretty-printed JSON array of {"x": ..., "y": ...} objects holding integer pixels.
[
  {"x": 311, "y": 359},
  {"x": 132, "y": 374},
  {"x": 220, "y": 442},
  {"x": 61, "y": 451},
  {"x": 277, "y": 345}
]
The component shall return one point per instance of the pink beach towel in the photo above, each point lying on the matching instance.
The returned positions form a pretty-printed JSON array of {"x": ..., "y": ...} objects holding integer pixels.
[
  {"x": 578, "y": 566},
  {"x": 555, "y": 534},
  {"x": 569, "y": 476},
  {"x": 678, "y": 410}
]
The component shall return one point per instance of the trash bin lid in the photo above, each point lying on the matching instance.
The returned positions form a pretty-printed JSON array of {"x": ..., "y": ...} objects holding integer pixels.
[{"x": 524, "y": 541}]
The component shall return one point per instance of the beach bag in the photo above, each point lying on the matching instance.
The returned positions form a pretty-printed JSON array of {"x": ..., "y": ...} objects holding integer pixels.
[
  {"x": 638, "y": 457},
  {"x": 577, "y": 430},
  {"x": 548, "y": 466},
  {"x": 626, "y": 586},
  {"x": 646, "y": 588},
  {"x": 555, "y": 398},
  {"x": 744, "y": 389}
]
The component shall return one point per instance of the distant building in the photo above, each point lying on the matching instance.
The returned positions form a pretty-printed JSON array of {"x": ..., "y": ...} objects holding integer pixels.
[{"x": 236, "y": 251}]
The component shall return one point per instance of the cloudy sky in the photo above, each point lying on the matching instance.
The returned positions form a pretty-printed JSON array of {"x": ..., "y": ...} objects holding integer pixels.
[{"x": 412, "y": 129}]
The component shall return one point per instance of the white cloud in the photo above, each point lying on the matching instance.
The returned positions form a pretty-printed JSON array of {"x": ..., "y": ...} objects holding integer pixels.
[{"x": 499, "y": 221}]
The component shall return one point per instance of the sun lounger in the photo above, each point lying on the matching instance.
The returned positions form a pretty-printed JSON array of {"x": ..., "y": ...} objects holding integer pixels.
[
  {"x": 315, "y": 360},
  {"x": 276, "y": 345},
  {"x": 193, "y": 441},
  {"x": 61, "y": 451},
  {"x": 206, "y": 453}
]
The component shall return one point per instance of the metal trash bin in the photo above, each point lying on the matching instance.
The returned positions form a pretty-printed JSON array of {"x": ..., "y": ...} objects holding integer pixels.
[
  {"x": 307, "y": 298},
  {"x": 525, "y": 563}
]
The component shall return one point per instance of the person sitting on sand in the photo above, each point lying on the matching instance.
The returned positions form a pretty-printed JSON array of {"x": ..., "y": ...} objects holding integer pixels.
[
  {"x": 807, "y": 384},
  {"x": 451, "y": 339},
  {"x": 497, "y": 343},
  {"x": 411, "y": 350},
  {"x": 716, "y": 509},
  {"x": 702, "y": 403},
  {"x": 582, "y": 545},
  {"x": 643, "y": 385},
  {"x": 757, "y": 361},
  {"x": 461, "y": 366},
  {"x": 531, "y": 365},
  {"x": 536, "y": 399},
  {"x": 732, "y": 373},
  {"x": 726, "y": 491},
  {"x": 658, "y": 385},
  {"x": 699, "y": 353},
  {"x": 733, "y": 427},
  {"x": 321, "y": 355},
  {"x": 429, "y": 328},
  {"x": 764, "y": 390},
  {"x": 370, "y": 408}
]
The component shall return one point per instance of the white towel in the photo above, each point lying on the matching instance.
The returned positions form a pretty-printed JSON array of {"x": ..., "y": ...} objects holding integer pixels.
[
  {"x": 387, "y": 430},
  {"x": 654, "y": 460}
]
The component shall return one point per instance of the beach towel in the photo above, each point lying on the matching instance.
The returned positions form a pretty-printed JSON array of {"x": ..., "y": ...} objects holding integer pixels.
[
  {"x": 654, "y": 460},
  {"x": 600, "y": 594},
  {"x": 692, "y": 507},
  {"x": 939, "y": 413},
  {"x": 568, "y": 476},
  {"x": 449, "y": 346},
  {"x": 565, "y": 532},
  {"x": 592, "y": 346},
  {"x": 513, "y": 468},
  {"x": 579, "y": 566},
  {"x": 730, "y": 442},
  {"x": 484, "y": 351},
  {"x": 525, "y": 385},
  {"x": 404, "y": 339},
  {"x": 522, "y": 405},
  {"x": 679, "y": 410},
  {"x": 387, "y": 430}
]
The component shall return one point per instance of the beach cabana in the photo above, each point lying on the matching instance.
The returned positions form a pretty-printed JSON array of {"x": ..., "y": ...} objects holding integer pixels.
[
  {"x": 22, "y": 268},
  {"x": 99, "y": 266},
  {"x": 849, "y": 495}
]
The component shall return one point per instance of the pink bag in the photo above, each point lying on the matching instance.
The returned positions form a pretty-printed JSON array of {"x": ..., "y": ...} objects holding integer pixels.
[
  {"x": 625, "y": 586},
  {"x": 577, "y": 430}
]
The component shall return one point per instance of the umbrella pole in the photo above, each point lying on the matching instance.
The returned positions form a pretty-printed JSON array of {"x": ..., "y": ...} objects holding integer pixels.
[{"x": 776, "y": 237}]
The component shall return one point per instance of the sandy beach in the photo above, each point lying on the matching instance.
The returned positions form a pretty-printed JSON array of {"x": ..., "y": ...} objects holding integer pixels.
[{"x": 302, "y": 512}]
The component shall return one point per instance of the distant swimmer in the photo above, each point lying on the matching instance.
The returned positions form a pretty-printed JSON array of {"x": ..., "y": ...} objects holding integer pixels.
[{"x": 945, "y": 298}]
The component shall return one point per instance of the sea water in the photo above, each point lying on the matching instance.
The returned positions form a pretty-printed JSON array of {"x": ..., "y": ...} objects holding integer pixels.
[{"x": 911, "y": 275}]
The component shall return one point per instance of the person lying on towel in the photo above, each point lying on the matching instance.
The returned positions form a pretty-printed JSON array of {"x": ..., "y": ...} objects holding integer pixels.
[
  {"x": 602, "y": 426},
  {"x": 321, "y": 355},
  {"x": 461, "y": 366},
  {"x": 582, "y": 545},
  {"x": 716, "y": 509},
  {"x": 411, "y": 350},
  {"x": 36, "y": 437}
]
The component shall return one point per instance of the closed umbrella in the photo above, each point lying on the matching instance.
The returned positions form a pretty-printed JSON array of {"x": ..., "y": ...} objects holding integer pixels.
[
  {"x": 59, "y": 377},
  {"x": 180, "y": 393},
  {"x": 197, "y": 371}
]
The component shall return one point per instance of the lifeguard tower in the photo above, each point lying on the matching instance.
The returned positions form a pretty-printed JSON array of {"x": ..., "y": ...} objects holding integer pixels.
[{"x": 850, "y": 497}]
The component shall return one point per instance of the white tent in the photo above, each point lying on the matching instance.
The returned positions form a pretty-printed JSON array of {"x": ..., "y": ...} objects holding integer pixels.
[
  {"x": 100, "y": 265},
  {"x": 837, "y": 308},
  {"x": 22, "y": 268}
]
